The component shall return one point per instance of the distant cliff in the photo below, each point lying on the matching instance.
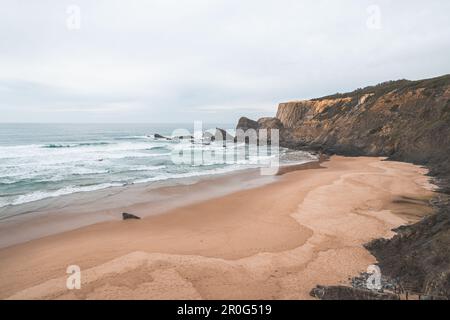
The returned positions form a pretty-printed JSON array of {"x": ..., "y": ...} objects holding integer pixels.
[{"x": 403, "y": 120}]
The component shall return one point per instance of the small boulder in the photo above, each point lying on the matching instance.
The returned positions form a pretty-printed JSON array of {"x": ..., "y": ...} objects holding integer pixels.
[{"x": 128, "y": 216}]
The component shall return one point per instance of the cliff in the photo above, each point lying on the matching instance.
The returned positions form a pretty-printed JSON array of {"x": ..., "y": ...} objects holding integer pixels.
[{"x": 405, "y": 121}]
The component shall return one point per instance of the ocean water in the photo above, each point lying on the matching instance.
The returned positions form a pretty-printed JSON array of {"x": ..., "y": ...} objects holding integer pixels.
[{"x": 39, "y": 161}]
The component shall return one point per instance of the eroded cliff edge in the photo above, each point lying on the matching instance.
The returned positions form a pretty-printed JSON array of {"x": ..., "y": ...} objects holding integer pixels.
[{"x": 405, "y": 121}]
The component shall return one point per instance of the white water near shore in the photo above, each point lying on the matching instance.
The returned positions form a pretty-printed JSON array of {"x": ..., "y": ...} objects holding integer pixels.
[{"x": 46, "y": 161}]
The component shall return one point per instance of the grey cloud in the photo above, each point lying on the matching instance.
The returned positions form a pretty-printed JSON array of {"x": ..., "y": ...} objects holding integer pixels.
[{"x": 166, "y": 60}]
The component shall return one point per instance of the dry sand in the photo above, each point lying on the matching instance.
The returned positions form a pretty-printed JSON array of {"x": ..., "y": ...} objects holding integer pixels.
[{"x": 276, "y": 241}]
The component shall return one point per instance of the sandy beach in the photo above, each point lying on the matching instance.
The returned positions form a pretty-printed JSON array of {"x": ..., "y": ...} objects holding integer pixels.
[{"x": 276, "y": 240}]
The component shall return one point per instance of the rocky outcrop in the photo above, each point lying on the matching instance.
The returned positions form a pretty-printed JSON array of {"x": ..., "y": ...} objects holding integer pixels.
[
  {"x": 263, "y": 123},
  {"x": 270, "y": 123},
  {"x": 349, "y": 293},
  {"x": 419, "y": 254},
  {"x": 158, "y": 136},
  {"x": 245, "y": 127},
  {"x": 246, "y": 124}
]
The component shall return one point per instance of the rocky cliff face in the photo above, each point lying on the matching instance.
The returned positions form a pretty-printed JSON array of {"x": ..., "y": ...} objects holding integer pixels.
[
  {"x": 403, "y": 120},
  {"x": 294, "y": 114}
]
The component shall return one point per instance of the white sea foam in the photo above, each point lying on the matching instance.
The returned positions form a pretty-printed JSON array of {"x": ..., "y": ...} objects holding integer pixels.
[
  {"x": 40, "y": 195},
  {"x": 38, "y": 171},
  {"x": 191, "y": 174}
]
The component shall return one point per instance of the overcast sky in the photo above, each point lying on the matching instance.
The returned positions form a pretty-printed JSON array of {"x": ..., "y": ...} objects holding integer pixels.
[{"x": 210, "y": 60}]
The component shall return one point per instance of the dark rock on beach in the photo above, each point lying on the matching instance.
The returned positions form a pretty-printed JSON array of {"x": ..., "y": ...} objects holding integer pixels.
[{"x": 129, "y": 216}]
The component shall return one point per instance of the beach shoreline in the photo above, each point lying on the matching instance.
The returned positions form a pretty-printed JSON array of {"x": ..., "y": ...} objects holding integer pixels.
[
  {"x": 68, "y": 212},
  {"x": 276, "y": 239}
]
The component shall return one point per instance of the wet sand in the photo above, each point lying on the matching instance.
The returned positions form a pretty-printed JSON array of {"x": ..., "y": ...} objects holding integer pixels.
[
  {"x": 55, "y": 215},
  {"x": 273, "y": 241}
]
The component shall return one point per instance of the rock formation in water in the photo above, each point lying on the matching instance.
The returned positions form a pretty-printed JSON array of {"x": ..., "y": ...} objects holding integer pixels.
[
  {"x": 158, "y": 136},
  {"x": 223, "y": 135},
  {"x": 245, "y": 124},
  {"x": 405, "y": 121},
  {"x": 268, "y": 124}
]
